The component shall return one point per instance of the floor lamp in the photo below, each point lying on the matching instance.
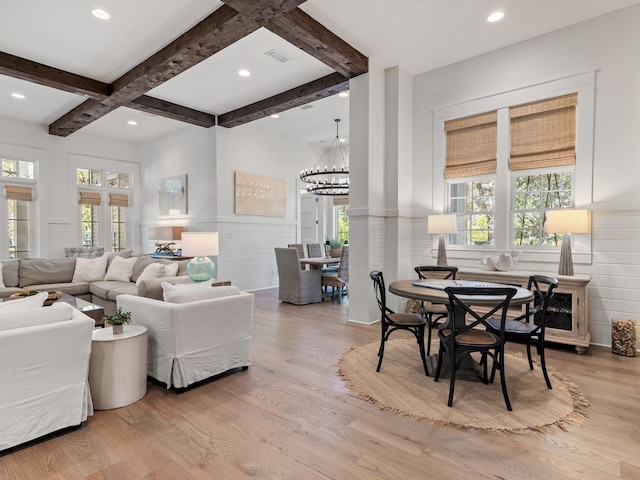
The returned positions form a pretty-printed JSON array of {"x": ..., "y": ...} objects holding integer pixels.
[
  {"x": 200, "y": 245},
  {"x": 567, "y": 222},
  {"x": 441, "y": 224}
]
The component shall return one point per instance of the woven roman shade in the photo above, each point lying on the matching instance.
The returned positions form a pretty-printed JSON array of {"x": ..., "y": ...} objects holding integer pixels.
[
  {"x": 90, "y": 198},
  {"x": 543, "y": 134},
  {"x": 340, "y": 200},
  {"x": 118, "y": 200},
  {"x": 18, "y": 192},
  {"x": 471, "y": 145}
]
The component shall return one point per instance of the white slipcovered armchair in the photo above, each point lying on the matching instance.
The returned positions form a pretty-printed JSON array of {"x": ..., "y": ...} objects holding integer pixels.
[
  {"x": 44, "y": 366},
  {"x": 190, "y": 342}
]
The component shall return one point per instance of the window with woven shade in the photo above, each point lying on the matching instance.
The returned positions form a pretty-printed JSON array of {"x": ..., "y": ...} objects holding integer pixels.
[
  {"x": 543, "y": 133},
  {"x": 471, "y": 145},
  {"x": 18, "y": 181}
]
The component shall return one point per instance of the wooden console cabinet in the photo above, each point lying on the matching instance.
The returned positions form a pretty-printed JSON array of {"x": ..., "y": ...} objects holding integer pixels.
[{"x": 567, "y": 314}]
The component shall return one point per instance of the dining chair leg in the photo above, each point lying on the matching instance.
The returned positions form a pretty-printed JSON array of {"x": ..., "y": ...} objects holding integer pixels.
[
  {"x": 440, "y": 355},
  {"x": 543, "y": 365},
  {"x": 422, "y": 354},
  {"x": 429, "y": 327},
  {"x": 529, "y": 355},
  {"x": 503, "y": 383},
  {"x": 452, "y": 383},
  {"x": 380, "y": 355}
]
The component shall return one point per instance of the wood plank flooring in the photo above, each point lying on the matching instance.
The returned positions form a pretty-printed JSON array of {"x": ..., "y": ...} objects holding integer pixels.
[{"x": 291, "y": 417}]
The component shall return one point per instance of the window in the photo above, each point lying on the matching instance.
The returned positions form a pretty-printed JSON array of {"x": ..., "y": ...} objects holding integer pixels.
[
  {"x": 342, "y": 223},
  {"x": 93, "y": 186},
  {"x": 474, "y": 204},
  {"x": 532, "y": 196},
  {"x": 17, "y": 181},
  {"x": 18, "y": 215},
  {"x": 541, "y": 142}
]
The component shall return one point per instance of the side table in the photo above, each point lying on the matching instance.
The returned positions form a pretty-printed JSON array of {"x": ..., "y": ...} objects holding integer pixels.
[{"x": 118, "y": 367}]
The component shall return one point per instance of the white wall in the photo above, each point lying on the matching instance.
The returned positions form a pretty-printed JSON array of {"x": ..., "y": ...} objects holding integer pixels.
[
  {"x": 210, "y": 158},
  {"x": 56, "y": 214},
  {"x": 609, "y": 45}
]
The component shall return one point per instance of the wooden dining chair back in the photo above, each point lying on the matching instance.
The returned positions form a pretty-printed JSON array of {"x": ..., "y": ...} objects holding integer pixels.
[
  {"x": 314, "y": 250},
  {"x": 468, "y": 332},
  {"x": 434, "y": 312},
  {"x": 530, "y": 326},
  {"x": 339, "y": 281},
  {"x": 391, "y": 321}
]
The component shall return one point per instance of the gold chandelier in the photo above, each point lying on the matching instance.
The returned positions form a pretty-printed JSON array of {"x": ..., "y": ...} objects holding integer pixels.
[{"x": 330, "y": 174}]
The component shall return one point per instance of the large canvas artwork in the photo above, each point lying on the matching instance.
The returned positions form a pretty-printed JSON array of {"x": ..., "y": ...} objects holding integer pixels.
[
  {"x": 173, "y": 195},
  {"x": 259, "y": 195}
]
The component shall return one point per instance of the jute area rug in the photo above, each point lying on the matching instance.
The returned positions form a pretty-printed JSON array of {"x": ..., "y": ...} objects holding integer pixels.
[{"x": 402, "y": 387}]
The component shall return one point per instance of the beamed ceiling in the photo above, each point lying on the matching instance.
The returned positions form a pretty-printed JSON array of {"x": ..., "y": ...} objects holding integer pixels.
[{"x": 232, "y": 21}]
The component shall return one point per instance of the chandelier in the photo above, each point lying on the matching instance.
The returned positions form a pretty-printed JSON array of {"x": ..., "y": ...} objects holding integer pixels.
[{"x": 330, "y": 174}]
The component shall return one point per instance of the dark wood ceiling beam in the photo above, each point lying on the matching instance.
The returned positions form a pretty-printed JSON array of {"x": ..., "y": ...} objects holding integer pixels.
[
  {"x": 222, "y": 28},
  {"x": 173, "y": 111},
  {"x": 34, "y": 72},
  {"x": 296, "y": 97},
  {"x": 263, "y": 10},
  {"x": 318, "y": 41}
]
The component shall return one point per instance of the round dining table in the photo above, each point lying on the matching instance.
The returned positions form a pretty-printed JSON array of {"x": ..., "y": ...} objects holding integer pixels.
[{"x": 435, "y": 294}]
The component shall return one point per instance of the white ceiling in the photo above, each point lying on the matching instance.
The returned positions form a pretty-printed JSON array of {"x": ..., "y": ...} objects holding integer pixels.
[{"x": 417, "y": 35}]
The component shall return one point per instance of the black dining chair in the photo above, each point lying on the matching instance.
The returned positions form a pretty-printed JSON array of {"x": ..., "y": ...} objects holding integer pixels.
[
  {"x": 463, "y": 336},
  {"x": 434, "y": 312},
  {"x": 530, "y": 326},
  {"x": 391, "y": 321}
]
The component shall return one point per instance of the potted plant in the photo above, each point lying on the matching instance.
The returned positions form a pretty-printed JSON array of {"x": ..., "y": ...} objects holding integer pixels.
[
  {"x": 117, "y": 320},
  {"x": 335, "y": 247}
]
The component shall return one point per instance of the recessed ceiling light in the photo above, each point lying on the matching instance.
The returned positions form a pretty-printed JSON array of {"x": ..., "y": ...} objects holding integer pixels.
[
  {"x": 132, "y": 122},
  {"x": 343, "y": 94},
  {"x": 244, "y": 73},
  {"x": 343, "y": 140},
  {"x": 19, "y": 96},
  {"x": 275, "y": 115},
  {"x": 100, "y": 14},
  {"x": 495, "y": 17}
]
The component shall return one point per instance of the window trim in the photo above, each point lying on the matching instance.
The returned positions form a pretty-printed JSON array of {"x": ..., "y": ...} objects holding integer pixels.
[{"x": 584, "y": 85}]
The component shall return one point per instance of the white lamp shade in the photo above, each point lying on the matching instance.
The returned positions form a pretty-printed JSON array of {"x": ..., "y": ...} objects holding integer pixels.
[
  {"x": 568, "y": 221},
  {"x": 441, "y": 224},
  {"x": 199, "y": 244}
]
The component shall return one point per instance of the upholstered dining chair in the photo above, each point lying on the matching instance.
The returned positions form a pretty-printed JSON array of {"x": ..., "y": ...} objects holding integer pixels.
[
  {"x": 530, "y": 326},
  {"x": 340, "y": 279},
  {"x": 297, "y": 286},
  {"x": 391, "y": 321},
  {"x": 301, "y": 252},
  {"x": 434, "y": 312},
  {"x": 463, "y": 337},
  {"x": 314, "y": 250}
]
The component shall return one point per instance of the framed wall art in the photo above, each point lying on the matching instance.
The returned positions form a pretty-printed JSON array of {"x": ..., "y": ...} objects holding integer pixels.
[
  {"x": 260, "y": 195},
  {"x": 173, "y": 195}
]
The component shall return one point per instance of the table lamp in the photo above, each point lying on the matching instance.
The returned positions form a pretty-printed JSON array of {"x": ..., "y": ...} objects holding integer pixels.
[
  {"x": 441, "y": 224},
  {"x": 567, "y": 222},
  {"x": 200, "y": 245}
]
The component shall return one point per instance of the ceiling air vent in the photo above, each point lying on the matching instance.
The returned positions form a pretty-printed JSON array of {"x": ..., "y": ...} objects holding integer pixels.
[
  {"x": 279, "y": 56},
  {"x": 306, "y": 107}
]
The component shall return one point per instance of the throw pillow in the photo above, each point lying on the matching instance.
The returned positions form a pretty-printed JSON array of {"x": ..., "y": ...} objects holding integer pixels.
[
  {"x": 111, "y": 255},
  {"x": 193, "y": 292},
  {"x": 158, "y": 270},
  {"x": 120, "y": 269},
  {"x": 90, "y": 269},
  {"x": 24, "y": 304},
  {"x": 58, "y": 312},
  {"x": 1, "y": 279}
]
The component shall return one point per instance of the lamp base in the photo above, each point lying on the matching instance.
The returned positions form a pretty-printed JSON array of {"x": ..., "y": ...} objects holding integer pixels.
[
  {"x": 566, "y": 258},
  {"x": 442, "y": 253},
  {"x": 201, "y": 269}
]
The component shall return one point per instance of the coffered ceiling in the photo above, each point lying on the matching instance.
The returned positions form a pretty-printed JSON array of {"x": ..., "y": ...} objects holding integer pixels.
[{"x": 162, "y": 63}]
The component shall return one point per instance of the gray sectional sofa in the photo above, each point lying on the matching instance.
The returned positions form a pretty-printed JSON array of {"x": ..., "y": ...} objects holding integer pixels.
[{"x": 57, "y": 274}]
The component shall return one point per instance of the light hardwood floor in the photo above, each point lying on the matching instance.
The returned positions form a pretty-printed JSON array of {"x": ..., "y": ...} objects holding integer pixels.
[{"x": 291, "y": 417}]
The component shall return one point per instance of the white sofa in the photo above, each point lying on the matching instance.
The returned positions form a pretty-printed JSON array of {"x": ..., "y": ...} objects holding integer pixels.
[
  {"x": 44, "y": 365},
  {"x": 190, "y": 342}
]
